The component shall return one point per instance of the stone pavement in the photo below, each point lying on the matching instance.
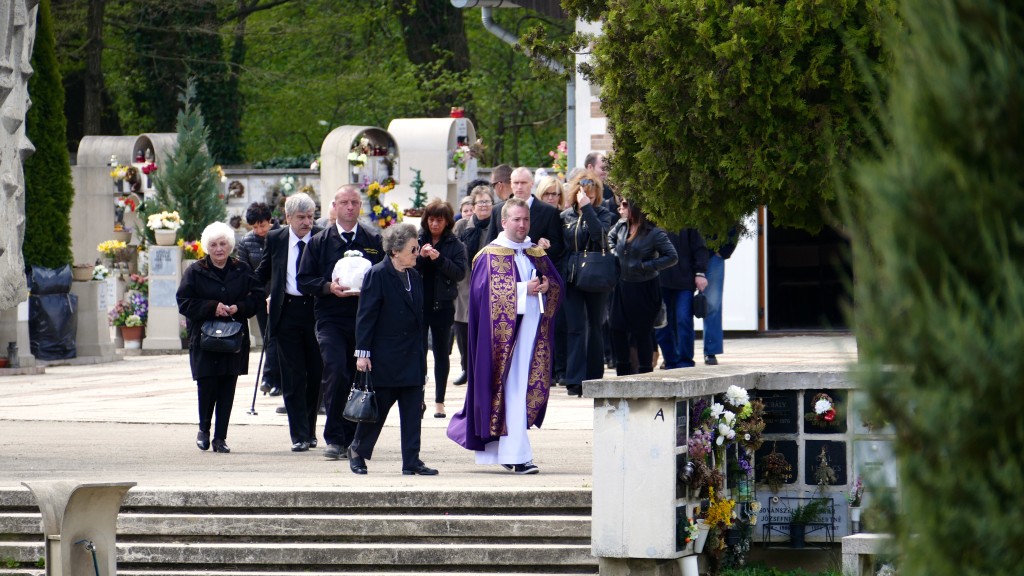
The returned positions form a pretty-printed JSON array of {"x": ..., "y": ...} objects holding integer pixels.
[{"x": 134, "y": 420}]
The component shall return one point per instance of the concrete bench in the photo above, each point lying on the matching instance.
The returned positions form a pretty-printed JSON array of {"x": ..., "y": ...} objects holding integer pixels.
[{"x": 858, "y": 550}]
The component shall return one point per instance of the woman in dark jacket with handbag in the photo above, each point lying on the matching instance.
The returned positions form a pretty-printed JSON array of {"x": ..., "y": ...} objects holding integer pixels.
[
  {"x": 585, "y": 225},
  {"x": 643, "y": 249},
  {"x": 218, "y": 287},
  {"x": 388, "y": 341},
  {"x": 442, "y": 264}
]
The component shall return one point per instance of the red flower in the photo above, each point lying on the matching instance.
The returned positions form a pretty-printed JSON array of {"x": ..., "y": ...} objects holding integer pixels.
[{"x": 829, "y": 415}]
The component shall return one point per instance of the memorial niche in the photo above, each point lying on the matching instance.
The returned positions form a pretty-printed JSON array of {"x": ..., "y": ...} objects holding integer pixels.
[
  {"x": 781, "y": 412},
  {"x": 815, "y": 423},
  {"x": 787, "y": 448},
  {"x": 828, "y": 453}
]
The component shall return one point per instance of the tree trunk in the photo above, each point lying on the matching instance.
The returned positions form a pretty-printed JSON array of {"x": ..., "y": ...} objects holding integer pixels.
[{"x": 93, "y": 81}]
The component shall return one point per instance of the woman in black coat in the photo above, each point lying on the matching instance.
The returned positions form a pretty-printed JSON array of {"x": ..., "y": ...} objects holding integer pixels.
[
  {"x": 389, "y": 336},
  {"x": 442, "y": 264},
  {"x": 643, "y": 249},
  {"x": 218, "y": 287},
  {"x": 585, "y": 225}
]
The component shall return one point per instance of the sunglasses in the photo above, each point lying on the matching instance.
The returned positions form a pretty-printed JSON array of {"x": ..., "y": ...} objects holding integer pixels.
[{"x": 586, "y": 182}]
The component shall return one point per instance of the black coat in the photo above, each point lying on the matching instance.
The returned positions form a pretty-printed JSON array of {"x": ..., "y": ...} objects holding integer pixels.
[
  {"x": 390, "y": 326},
  {"x": 273, "y": 268},
  {"x": 642, "y": 258},
  {"x": 586, "y": 233},
  {"x": 200, "y": 291},
  {"x": 318, "y": 260},
  {"x": 449, "y": 268},
  {"x": 545, "y": 222},
  {"x": 693, "y": 258}
]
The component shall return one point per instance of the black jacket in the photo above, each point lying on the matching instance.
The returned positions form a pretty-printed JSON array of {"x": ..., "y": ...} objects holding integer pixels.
[
  {"x": 589, "y": 233},
  {"x": 545, "y": 222},
  {"x": 449, "y": 268},
  {"x": 642, "y": 258},
  {"x": 200, "y": 291},
  {"x": 390, "y": 326},
  {"x": 693, "y": 258},
  {"x": 274, "y": 269},
  {"x": 318, "y": 260}
]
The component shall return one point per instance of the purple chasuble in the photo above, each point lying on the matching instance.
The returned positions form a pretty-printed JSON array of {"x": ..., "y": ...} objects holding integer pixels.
[{"x": 493, "y": 334}]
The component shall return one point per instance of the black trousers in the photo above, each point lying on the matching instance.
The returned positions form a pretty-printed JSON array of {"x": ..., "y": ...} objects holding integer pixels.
[
  {"x": 301, "y": 366},
  {"x": 643, "y": 341},
  {"x": 584, "y": 314},
  {"x": 271, "y": 374},
  {"x": 461, "y": 333},
  {"x": 439, "y": 322},
  {"x": 216, "y": 394},
  {"x": 409, "y": 399},
  {"x": 337, "y": 339}
]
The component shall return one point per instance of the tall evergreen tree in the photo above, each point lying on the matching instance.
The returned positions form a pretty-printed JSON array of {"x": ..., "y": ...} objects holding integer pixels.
[
  {"x": 48, "y": 189},
  {"x": 186, "y": 181},
  {"x": 939, "y": 257}
]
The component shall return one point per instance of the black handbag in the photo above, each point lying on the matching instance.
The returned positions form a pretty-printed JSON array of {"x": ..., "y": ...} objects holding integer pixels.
[
  {"x": 700, "y": 305},
  {"x": 592, "y": 271},
  {"x": 361, "y": 405},
  {"x": 223, "y": 336}
]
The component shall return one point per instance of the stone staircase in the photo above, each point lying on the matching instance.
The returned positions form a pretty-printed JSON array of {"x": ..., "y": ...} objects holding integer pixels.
[{"x": 275, "y": 532}]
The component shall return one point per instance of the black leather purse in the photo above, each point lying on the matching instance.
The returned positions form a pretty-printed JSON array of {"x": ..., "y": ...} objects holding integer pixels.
[
  {"x": 222, "y": 336},
  {"x": 592, "y": 271},
  {"x": 700, "y": 305},
  {"x": 361, "y": 405}
]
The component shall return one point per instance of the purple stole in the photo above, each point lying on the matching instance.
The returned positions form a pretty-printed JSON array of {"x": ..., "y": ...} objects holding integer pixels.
[{"x": 493, "y": 333}]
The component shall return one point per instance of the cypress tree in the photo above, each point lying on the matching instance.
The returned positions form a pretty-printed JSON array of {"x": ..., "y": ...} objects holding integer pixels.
[
  {"x": 186, "y": 181},
  {"x": 939, "y": 260},
  {"x": 48, "y": 189}
]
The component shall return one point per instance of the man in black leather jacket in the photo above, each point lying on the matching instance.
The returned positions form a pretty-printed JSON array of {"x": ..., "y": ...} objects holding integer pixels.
[{"x": 250, "y": 250}]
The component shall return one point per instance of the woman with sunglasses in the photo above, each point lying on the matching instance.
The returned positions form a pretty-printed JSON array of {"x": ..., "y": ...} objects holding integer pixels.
[
  {"x": 643, "y": 250},
  {"x": 585, "y": 225}
]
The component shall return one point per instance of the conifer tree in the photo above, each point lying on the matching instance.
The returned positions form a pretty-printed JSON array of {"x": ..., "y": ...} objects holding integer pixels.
[
  {"x": 186, "y": 181},
  {"x": 48, "y": 189},
  {"x": 939, "y": 261}
]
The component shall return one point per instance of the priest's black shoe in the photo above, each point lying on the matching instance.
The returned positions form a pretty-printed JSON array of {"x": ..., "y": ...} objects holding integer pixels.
[
  {"x": 420, "y": 469},
  {"x": 203, "y": 440},
  {"x": 300, "y": 446},
  {"x": 356, "y": 462}
]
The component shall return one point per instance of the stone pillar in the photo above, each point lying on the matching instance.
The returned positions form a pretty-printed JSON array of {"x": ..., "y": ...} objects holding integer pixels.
[
  {"x": 162, "y": 328},
  {"x": 93, "y": 334}
]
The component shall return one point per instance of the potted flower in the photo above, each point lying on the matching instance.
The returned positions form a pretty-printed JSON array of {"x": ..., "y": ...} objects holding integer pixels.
[
  {"x": 164, "y": 226},
  {"x": 803, "y": 515},
  {"x": 111, "y": 249},
  {"x": 191, "y": 251},
  {"x": 149, "y": 169},
  {"x": 854, "y": 499},
  {"x": 130, "y": 315}
]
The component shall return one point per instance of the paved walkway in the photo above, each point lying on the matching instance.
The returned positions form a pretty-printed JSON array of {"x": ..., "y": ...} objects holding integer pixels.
[{"x": 134, "y": 420}]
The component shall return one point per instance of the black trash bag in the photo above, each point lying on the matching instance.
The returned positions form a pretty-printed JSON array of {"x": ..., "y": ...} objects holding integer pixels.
[{"x": 52, "y": 314}]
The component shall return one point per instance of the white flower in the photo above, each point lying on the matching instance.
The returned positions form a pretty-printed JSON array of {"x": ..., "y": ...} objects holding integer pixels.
[
  {"x": 746, "y": 437},
  {"x": 716, "y": 410},
  {"x": 737, "y": 396},
  {"x": 729, "y": 417},
  {"x": 720, "y": 440},
  {"x": 822, "y": 406},
  {"x": 731, "y": 434}
]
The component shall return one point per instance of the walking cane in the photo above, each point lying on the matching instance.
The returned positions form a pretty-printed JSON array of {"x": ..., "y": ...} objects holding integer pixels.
[{"x": 259, "y": 368}]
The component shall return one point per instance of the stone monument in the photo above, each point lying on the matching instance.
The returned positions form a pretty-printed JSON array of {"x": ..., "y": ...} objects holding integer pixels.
[{"x": 17, "y": 34}]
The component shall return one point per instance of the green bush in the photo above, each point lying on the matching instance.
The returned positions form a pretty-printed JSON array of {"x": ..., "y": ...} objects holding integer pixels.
[
  {"x": 939, "y": 262},
  {"x": 48, "y": 189}
]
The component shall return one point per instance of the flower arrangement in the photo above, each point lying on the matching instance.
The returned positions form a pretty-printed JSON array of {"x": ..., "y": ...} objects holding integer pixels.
[
  {"x": 119, "y": 173},
  {"x": 824, "y": 411},
  {"x": 377, "y": 189},
  {"x": 460, "y": 157},
  {"x": 100, "y": 272},
  {"x": 287, "y": 185},
  {"x": 559, "y": 159},
  {"x": 135, "y": 304},
  {"x": 385, "y": 216},
  {"x": 127, "y": 202},
  {"x": 776, "y": 470},
  {"x": 192, "y": 250},
  {"x": 219, "y": 173},
  {"x": 690, "y": 532},
  {"x": 138, "y": 283},
  {"x": 855, "y": 495},
  {"x": 720, "y": 511},
  {"x": 111, "y": 248},
  {"x": 149, "y": 168},
  {"x": 357, "y": 155},
  {"x": 823, "y": 473},
  {"x": 735, "y": 421},
  {"x": 164, "y": 221}
]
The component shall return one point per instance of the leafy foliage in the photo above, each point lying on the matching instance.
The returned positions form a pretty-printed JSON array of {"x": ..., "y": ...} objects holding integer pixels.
[
  {"x": 186, "y": 181},
  {"x": 718, "y": 107},
  {"x": 939, "y": 258},
  {"x": 48, "y": 190}
]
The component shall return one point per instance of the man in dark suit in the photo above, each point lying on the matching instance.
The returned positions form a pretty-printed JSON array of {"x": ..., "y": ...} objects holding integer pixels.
[
  {"x": 545, "y": 220},
  {"x": 336, "y": 307},
  {"x": 291, "y": 320}
]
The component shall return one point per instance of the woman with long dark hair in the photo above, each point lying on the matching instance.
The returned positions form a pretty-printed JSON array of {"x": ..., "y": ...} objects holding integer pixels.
[{"x": 643, "y": 249}]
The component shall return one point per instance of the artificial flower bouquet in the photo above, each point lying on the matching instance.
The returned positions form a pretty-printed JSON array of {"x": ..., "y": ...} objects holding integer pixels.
[
  {"x": 164, "y": 221},
  {"x": 824, "y": 411},
  {"x": 111, "y": 248}
]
